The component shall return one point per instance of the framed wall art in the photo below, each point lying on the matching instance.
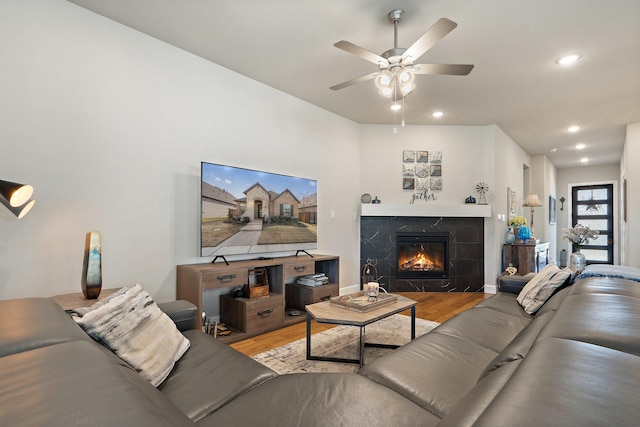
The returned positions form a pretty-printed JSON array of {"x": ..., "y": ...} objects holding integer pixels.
[
  {"x": 512, "y": 203},
  {"x": 552, "y": 210}
]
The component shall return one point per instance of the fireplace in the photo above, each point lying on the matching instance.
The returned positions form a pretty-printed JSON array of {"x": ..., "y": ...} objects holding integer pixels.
[
  {"x": 464, "y": 268},
  {"x": 422, "y": 255}
]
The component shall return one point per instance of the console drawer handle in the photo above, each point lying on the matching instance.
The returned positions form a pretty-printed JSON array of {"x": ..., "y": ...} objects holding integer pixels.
[
  {"x": 227, "y": 277},
  {"x": 325, "y": 298},
  {"x": 300, "y": 268},
  {"x": 265, "y": 313}
]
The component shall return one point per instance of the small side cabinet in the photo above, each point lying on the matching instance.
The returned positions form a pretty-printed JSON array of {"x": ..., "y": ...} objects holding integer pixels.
[{"x": 527, "y": 258}]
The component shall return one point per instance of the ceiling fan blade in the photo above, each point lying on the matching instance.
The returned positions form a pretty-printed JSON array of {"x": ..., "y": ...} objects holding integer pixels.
[
  {"x": 354, "y": 81},
  {"x": 432, "y": 36},
  {"x": 361, "y": 52},
  {"x": 447, "y": 69}
]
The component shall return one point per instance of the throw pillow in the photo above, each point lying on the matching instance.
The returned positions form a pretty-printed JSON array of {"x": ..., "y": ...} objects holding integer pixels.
[
  {"x": 81, "y": 311},
  {"x": 541, "y": 287},
  {"x": 134, "y": 328}
]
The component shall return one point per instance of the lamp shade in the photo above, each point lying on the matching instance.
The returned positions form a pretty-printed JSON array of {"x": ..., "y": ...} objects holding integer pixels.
[
  {"x": 15, "y": 194},
  {"x": 18, "y": 211},
  {"x": 532, "y": 201}
]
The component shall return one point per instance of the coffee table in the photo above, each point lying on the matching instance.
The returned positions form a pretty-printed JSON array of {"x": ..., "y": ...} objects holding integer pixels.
[{"x": 325, "y": 312}]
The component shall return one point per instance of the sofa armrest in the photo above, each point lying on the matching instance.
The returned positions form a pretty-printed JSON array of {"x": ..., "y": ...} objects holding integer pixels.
[
  {"x": 183, "y": 314},
  {"x": 513, "y": 284}
]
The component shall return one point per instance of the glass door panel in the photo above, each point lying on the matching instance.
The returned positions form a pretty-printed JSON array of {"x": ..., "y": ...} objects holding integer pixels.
[{"x": 593, "y": 208}]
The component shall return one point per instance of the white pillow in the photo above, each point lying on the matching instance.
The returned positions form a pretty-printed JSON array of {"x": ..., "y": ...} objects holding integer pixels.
[
  {"x": 541, "y": 287},
  {"x": 133, "y": 327}
]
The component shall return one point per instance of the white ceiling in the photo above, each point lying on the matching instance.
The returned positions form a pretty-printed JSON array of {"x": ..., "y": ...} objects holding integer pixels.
[{"x": 516, "y": 84}]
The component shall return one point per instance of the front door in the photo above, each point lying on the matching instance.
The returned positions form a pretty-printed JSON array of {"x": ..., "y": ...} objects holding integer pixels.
[{"x": 592, "y": 206}]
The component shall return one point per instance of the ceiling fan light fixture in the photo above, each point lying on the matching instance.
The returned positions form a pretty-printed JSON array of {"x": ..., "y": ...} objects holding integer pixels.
[
  {"x": 396, "y": 106},
  {"x": 405, "y": 89},
  {"x": 405, "y": 77},
  {"x": 384, "y": 82},
  {"x": 387, "y": 91}
]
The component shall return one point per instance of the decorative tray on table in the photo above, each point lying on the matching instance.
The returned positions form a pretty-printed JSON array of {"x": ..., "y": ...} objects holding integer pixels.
[{"x": 360, "y": 302}]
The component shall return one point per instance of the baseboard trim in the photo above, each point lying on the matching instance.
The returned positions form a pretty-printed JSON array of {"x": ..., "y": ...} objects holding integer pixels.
[{"x": 490, "y": 289}]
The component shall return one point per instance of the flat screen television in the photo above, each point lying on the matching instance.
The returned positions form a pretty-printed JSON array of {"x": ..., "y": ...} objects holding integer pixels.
[{"x": 245, "y": 211}]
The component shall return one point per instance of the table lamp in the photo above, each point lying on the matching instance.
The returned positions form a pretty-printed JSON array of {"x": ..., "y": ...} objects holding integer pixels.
[{"x": 532, "y": 201}]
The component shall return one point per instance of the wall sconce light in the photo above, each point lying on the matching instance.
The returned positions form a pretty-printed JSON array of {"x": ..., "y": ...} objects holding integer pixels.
[{"x": 15, "y": 197}]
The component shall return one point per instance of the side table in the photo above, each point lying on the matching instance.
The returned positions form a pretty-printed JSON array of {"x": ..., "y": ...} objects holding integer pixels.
[{"x": 68, "y": 302}]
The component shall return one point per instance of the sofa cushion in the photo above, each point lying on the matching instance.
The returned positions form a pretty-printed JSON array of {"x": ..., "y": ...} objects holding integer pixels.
[
  {"x": 211, "y": 374},
  {"x": 604, "y": 319},
  {"x": 435, "y": 370},
  {"x": 135, "y": 329},
  {"x": 542, "y": 286},
  {"x": 519, "y": 347},
  {"x": 75, "y": 384},
  {"x": 487, "y": 326},
  {"x": 566, "y": 383},
  {"x": 30, "y": 323},
  {"x": 320, "y": 400},
  {"x": 474, "y": 403}
]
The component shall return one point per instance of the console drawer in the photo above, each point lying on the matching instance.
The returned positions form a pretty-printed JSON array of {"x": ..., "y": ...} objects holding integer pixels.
[
  {"x": 252, "y": 315},
  {"x": 301, "y": 268},
  {"x": 221, "y": 279},
  {"x": 299, "y": 295}
]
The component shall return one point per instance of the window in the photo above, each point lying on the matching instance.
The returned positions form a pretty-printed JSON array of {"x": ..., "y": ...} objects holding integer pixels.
[{"x": 286, "y": 210}]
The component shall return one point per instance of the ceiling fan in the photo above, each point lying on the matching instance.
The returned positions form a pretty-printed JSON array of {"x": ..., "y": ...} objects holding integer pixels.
[{"x": 396, "y": 66}]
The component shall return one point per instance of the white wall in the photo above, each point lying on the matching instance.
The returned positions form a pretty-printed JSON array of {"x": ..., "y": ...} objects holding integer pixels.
[
  {"x": 630, "y": 230},
  {"x": 544, "y": 184},
  {"x": 110, "y": 125},
  {"x": 470, "y": 154},
  {"x": 508, "y": 168}
]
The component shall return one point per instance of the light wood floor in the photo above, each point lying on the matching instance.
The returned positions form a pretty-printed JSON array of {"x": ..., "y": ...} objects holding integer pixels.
[{"x": 435, "y": 306}]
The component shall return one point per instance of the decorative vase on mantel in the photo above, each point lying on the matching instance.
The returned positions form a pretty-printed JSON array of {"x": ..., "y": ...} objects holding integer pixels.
[{"x": 577, "y": 260}]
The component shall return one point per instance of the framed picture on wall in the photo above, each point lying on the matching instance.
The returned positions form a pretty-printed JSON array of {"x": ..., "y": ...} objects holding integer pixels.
[
  {"x": 511, "y": 203},
  {"x": 552, "y": 210}
]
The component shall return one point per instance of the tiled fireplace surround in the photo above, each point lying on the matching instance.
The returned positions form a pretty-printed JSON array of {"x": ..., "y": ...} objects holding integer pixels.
[{"x": 466, "y": 251}]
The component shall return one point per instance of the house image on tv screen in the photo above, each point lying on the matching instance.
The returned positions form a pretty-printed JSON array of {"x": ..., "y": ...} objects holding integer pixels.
[{"x": 277, "y": 212}]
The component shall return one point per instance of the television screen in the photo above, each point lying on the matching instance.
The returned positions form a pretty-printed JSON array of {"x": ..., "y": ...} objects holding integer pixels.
[{"x": 246, "y": 211}]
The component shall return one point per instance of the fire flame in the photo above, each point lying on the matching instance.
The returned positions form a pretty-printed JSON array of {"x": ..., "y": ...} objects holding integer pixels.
[{"x": 420, "y": 262}]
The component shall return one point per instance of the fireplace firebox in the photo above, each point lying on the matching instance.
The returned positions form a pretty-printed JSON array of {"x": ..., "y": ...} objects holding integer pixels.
[{"x": 422, "y": 255}]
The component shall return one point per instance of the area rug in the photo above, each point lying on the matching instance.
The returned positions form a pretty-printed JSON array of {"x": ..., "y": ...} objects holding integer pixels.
[{"x": 342, "y": 341}]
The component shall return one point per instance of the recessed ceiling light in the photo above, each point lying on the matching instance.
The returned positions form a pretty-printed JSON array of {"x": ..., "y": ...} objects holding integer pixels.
[
  {"x": 580, "y": 146},
  {"x": 553, "y": 150},
  {"x": 573, "y": 129},
  {"x": 395, "y": 107},
  {"x": 437, "y": 114},
  {"x": 568, "y": 59},
  {"x": 584, "y": 160}
]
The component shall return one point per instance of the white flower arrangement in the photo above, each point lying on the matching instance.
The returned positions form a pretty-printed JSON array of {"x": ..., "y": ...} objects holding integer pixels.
[{"x": 579, "y": 234}]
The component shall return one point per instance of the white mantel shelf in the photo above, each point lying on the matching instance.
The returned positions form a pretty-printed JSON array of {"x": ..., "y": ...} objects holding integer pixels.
[{"x": 427, "y": 210}]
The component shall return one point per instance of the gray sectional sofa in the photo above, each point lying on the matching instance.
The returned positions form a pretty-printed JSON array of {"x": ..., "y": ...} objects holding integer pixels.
[{"x": 574, "y": 362}]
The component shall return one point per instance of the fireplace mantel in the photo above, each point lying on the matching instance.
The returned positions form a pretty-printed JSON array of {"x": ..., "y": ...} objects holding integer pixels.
[{"x": 427, "y": 210}]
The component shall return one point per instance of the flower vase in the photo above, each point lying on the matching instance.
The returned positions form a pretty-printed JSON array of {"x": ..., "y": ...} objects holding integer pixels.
[
  {"x": 577, "y": 260},
  {"x": 524, "y": 234},
  {"x": 509, "y": 236}
]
